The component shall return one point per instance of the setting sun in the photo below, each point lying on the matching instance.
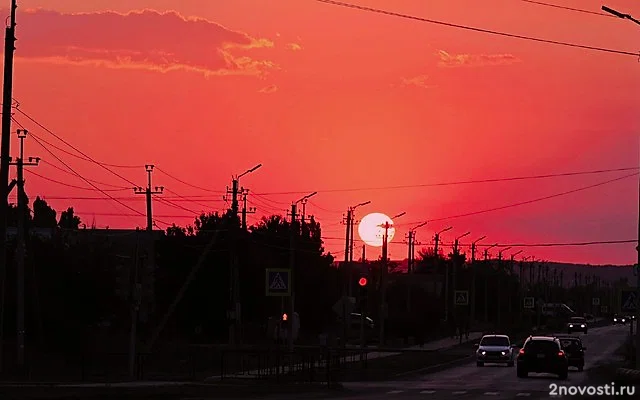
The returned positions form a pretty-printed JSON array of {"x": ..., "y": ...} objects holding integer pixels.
[{"x": 371, "y": 231}]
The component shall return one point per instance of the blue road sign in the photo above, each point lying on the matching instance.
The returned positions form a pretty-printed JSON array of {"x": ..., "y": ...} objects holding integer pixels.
[
  {"x": 628, "y": 300},
  {"x": 278, "y": 282}
]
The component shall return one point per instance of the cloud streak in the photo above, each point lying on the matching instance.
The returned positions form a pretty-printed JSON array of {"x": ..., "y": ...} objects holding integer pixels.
[
  {"x": 474, "y": 60},
  {"x": 144, "y": 39}
]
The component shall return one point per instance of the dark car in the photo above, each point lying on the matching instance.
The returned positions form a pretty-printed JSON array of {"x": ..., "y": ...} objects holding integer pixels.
[
  {"x": 618, "y": 319},
  {"x": 577, "y": 324},
  {"x": 542, "y": 354},
  {"x": 573, "y": 348}
]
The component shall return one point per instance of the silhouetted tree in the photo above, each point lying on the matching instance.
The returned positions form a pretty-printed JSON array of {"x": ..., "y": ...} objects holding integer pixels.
[
  {"x": 43, "y": 215},
  {"x": 68, "y": 219}
]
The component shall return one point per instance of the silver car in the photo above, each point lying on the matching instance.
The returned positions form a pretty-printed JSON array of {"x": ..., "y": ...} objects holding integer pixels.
[{"x": 494, "y": 349}]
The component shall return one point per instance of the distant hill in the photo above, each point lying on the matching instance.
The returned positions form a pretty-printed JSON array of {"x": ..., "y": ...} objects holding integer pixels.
[{"x": 606, "y": 273}]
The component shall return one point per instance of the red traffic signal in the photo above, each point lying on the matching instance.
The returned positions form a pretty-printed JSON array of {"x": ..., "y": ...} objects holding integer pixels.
[{"x": 362, "y": 281}]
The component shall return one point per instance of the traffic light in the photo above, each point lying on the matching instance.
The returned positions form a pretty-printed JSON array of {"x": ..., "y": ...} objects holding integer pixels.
[{"x": 362, "y": 282}]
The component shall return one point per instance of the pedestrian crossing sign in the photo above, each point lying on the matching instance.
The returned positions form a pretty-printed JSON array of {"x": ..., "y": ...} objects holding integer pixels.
[
  {"x": 278, "y": 282},
  {"x": 628, "y": 300},
  {"x": 529, "y": 302},
  {"x": 462, "y": 297}
]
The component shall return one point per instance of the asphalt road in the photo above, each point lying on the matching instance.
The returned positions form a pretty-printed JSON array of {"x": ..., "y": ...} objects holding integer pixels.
[{"x": 492, "y": 382}]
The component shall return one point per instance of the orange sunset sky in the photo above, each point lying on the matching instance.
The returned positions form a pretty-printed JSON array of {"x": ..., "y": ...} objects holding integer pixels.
[{"x": 330, "y": 98}]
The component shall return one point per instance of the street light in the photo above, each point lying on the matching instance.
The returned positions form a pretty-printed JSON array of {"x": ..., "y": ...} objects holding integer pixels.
[
  {"x": 630, "y": 18},
  {"x": 249, "y": 171},
  {"x": 619, "y": 14}
]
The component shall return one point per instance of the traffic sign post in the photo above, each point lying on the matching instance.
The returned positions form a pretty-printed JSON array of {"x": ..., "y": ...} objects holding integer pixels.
[
  {"x": 461, "y": 297},
  {"x": 595, "y": 301},
  {"x": 529, "y": 302},
  {"x": 628, "y": 300},
  {"x": 278, "y": 282}
]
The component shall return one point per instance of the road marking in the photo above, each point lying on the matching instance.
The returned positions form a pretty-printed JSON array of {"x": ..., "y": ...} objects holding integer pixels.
[
  {"x": 491, "y": 393},
  {"x": 395, "y": 391},
  {"x": 427, "y": 392},
  {"x": 523, "y": 394},
  {"x": 460, "y": 392}
]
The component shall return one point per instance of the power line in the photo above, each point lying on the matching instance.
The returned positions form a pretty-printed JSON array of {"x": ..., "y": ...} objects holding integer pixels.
[
  {"x": 471, "y": 28},
  {"x": 88, "y": 182},
  {"x": 83, "y": 157},
  {"x": 92, "y": 180},
  {"x": 526, "y": 202},
  {"x": 124, "y": 198},
  {"x": 73, "y": 186},
  {"x": 88, "y": 158},
  {"x": 467, "y": 182},
  {"x": 580, "y": 10},
  {"x": 187, "y": 183}
]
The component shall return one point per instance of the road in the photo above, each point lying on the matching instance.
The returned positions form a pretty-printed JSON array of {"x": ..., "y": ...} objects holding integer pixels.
[{"x": 493, "y": 382}]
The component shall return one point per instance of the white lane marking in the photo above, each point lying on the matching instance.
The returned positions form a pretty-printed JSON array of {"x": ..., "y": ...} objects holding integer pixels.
[
  {"x": 427, "y": 392},
  {"x": 395, "y": 391},
  {"x": 523, "y": 394},
  {"x": 460, "y": 392},
  {"x": 491, "y": 393}
]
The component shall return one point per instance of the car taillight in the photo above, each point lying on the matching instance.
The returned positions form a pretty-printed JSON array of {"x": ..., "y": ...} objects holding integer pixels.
[
  {"x": 561, "y": 353},
  {"x": 521, "y": 351}
]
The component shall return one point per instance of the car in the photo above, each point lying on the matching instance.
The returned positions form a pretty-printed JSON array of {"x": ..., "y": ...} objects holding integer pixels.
[
  {"x": 495, "y": 349},
  {"x": 622, "y": 320},
  {"x": 572, "y": 346},
  {"x": 577, "y": 324},
  {"x": 542, "y": 354}
]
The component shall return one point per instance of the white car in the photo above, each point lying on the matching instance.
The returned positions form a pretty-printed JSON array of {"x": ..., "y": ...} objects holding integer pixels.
[{"x": 494, "y": 349}]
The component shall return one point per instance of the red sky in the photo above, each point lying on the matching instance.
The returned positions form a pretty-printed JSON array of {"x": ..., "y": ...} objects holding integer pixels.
[{"x": 332, "y": 98}]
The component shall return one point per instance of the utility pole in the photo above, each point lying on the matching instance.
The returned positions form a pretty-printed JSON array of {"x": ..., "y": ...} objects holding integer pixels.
[
  {"x": 5, "y": 148},
  {"x": 454, "y": 281},
  {"x": 510, "y": 287},
  {"x": 235, "y": 312},
  {"x": 436, "y": 240},
  {"x": 472, "y": 295},
  {"x": 294, "y": 233},
  {"x": 499, "y": 291},
  {"x": 486, "y": 282},
  {"x": 148, "y": 192},
  {"x": 149, "y": 276},
  {"x": 411, "y": 241},
  {"x": 134, "y": 294},
  {"x": 347, "y": 273},
  {"x": 21, "y": 245},
  {"x": 384, "y": 273},
  {"x": 245, "y": 210}
]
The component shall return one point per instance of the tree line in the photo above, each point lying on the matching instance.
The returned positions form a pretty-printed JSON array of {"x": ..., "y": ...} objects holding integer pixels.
[{"x": 79, "y": 291}]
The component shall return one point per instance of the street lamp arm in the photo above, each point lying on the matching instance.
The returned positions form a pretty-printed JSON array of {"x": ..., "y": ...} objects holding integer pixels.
[
  {"x": 477, "y": 240},
  {"x": 398, "y": 215},
  {"x": 619, "y": 14},
  {"x": 249, "y": 171}
]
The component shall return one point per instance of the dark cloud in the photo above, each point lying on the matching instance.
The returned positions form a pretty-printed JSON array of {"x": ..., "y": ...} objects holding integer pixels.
[{"x": 139, "y": 39}]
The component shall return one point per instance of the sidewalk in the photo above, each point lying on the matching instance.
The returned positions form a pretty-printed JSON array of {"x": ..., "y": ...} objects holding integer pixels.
[{"x": 372, "y": 353}]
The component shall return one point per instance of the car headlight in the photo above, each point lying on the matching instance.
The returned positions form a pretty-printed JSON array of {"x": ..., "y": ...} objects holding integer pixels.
[
  {"x": 623, "y": 320},
  {"x": 571, "y": 326},
  {"x": 504, "y": 353},
  {"x": 615, "y": 320},
  {"x": 483, "y": 353}
]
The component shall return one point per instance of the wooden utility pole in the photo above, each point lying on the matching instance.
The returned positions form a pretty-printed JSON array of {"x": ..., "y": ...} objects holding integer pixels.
[
  {"x": 474, "y": 272},
  {"x": 245, "y": 210},
  {"x": 149, "y": 276},
  {"x": 5, "y": 149},
  {"x": 21, "y": 245}
]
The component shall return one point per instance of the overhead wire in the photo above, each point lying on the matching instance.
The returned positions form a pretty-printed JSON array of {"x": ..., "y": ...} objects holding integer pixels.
[
  {"x": 28, "y": 171},
  {"x": 580, "y": 10},
  {"x": 475, "y": 29},
  {"x": 521, "y": 203},
  {"x": 462, "y": 182},
  {"x": 88, "y": 182},
  {"x": 187, "y": 183}
]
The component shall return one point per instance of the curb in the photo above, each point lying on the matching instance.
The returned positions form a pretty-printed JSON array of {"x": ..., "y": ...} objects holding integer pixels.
[
  {"x": 626, "y": 375},
  {"x": 159, "y": 392},
  {"x": 439, "y": 367}
]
